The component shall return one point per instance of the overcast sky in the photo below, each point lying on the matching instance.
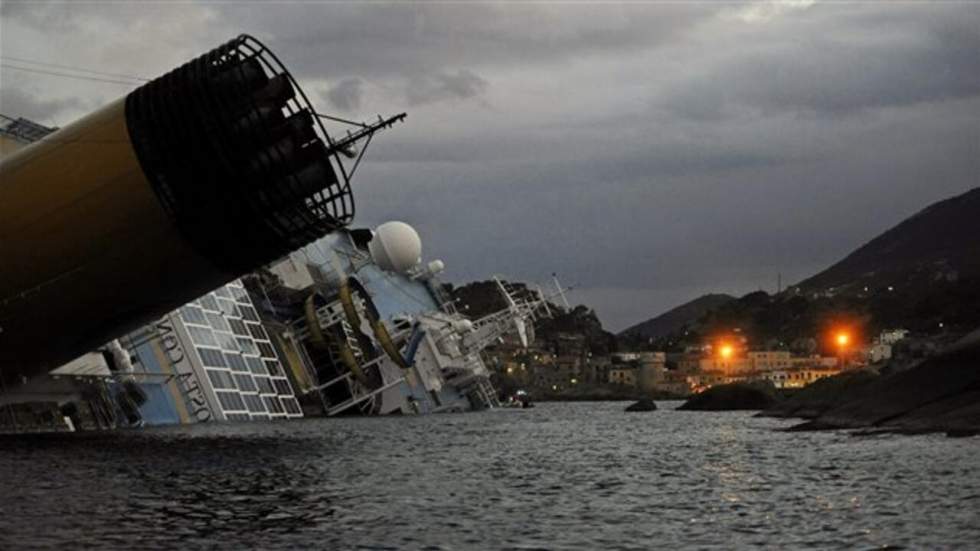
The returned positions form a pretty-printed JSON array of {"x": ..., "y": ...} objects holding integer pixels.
[{"x": 647, "y": 152}]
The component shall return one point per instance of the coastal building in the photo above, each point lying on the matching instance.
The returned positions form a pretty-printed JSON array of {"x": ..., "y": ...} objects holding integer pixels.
[
  {"x": 879, "y": 352},
  {"x": 675, "y": 382},
  {"x": 548, "y": 376},
  {"x": 727, "y": 363},
  {"x": 731, "y": 366},
  {"x": 624, "y": 357},
  {"x": 688, "y": 361},
  {"x": 597, "y": 369},
  {"x": 704, "y": 380},
  {"x": 570, "y": 345},
  {"x": 769, "y": 360},
  {"x": 625, "y": 374},
  {"x": 892, "y": 336},
  {"x": 814, "y": 361},
  {"x": 569, "y": 368},
  {"x": 761, "y": 361},
  {"x": 652, "y": 369},
  {"x": 881, "y": 349},
  {"x": 798, "y": 378}
]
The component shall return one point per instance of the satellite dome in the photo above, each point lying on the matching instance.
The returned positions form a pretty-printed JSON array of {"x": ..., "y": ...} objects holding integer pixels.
[
  {"x": 436, "y": 267},
  {"x": 396, "y": 247}
]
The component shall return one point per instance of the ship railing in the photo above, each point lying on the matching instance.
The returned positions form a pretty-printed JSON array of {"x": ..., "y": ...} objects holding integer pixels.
[{"x": 356, "y": 400}]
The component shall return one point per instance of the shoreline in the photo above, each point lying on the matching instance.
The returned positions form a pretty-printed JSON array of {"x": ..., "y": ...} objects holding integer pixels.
[{"x": 940, "y": 394}]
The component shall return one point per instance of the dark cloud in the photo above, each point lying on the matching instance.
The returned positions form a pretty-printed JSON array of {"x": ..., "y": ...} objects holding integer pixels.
[
  {"x": 379, "y": 39},
  {"x": 346, "y": 94},
  {"x": 463, "y": 84},
  {"x": 15, "y": 103},
  {"x": 832, "y": 64},
  {"x": 649, "y": 153}
]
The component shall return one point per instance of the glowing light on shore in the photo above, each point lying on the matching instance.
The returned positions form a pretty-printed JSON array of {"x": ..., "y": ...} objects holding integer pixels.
[
  {"x": 843, "y": 339},
  {"x": 726, "y": 351}
]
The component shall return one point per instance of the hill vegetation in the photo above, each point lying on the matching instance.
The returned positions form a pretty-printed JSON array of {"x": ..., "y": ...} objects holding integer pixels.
[
  {"x": 922, "y": 275},
  {"x": 676, "y": 318},
  {"x": 481, "y": 298},
  {"x": 939, "y": 243}
]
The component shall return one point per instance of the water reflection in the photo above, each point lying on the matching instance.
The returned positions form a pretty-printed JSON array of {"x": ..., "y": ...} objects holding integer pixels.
[{"x": 558, "y": 476}]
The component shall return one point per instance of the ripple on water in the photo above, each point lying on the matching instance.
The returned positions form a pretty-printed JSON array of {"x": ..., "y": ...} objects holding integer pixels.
[{"x": 558, "y": 476}]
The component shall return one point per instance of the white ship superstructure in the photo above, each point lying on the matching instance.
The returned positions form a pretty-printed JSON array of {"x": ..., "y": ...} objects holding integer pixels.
[{"x": 372, "y": 324}]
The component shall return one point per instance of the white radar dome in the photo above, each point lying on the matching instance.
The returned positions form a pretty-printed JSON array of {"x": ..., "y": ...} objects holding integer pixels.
[
  {"x": 396, "y": 247},
  {"x": 436, "y": 267}
]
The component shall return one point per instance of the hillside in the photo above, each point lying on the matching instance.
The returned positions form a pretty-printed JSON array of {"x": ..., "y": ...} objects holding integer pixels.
[
  {"x": 940, "y": 243},
  {"x": 676, "y": 318},
  {"x": 922, "y": 275}
]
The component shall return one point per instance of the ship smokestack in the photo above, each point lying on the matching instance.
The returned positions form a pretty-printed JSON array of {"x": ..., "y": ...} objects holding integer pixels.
[{"x": 191, "y": 180}]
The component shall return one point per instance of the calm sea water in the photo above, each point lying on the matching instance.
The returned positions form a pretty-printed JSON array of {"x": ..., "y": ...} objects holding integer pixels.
[{"x": 560, "y": 476}]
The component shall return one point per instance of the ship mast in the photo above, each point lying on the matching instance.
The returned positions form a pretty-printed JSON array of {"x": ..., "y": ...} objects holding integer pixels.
[{"x": 365, "y": 131}]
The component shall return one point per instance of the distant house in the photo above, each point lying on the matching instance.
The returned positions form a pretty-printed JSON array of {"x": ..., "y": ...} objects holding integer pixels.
[
  {"x": 624, "y": 374},
  {"x": 881, "y": 349}
]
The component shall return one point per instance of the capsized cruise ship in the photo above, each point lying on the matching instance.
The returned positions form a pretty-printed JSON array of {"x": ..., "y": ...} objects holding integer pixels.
[
  {"x": 354, "y": 323},
  {"x": 184, "y": 184},
  {"x": 171, "y": 231}
]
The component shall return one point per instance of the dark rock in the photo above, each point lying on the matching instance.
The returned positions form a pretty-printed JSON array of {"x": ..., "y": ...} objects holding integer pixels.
[
  {"x": 734, "y": 396},
  {"x": 810, "y": 426},
  {"x": 822, "y": 395},
  {"x": 940, "y": 394},
  {"x": 645, "y": 404}
]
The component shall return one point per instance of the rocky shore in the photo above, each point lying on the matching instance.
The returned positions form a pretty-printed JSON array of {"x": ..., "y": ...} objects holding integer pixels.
[
  {"x": 823, "y": 395},
  {"x": 940, "y": 394},
  {"x": 734, "y": 396}
]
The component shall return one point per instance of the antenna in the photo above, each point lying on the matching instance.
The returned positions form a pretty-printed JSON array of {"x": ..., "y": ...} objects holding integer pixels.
[
  {"x": 519, "y": 322},
  {"x": 561, "y": 292},
  {"x": 543, "y": 301},
  {"x": 503, "y": 290},
  {"x": 345, "y": 145}
]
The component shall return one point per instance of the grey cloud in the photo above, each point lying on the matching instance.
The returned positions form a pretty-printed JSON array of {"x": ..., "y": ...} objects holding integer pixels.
[
  {"x": 728, "y": 230},
  {"x": 463, "y": 84},
  {"x": 838, "y": 67},
  {"x": 403, "y": 39},
  {"x": 346, "y": 94},
  {"x": 648, "y": 153},
  {"x": 51, "y": 16},
  {"x": 15, "y": 102}
]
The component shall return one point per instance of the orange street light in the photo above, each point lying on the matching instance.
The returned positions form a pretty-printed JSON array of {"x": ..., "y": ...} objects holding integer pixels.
[
  {"x": 842, "y": 340},
  {"x": 726, "y": 351}
]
